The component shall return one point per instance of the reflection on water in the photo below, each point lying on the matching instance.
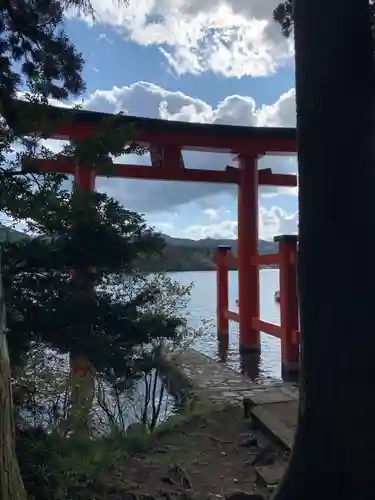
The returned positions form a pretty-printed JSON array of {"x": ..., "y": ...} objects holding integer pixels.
[
  {"x": 203, "y": 307},
  {"x": 144, "y": 399}
]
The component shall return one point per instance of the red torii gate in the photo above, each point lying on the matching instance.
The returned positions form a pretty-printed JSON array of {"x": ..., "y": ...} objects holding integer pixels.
[{"x": 166, "y": 140}]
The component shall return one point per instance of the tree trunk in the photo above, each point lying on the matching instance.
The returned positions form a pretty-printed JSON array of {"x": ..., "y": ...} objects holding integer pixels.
[
  {"x": 334, "y": 447},
  {"x": 11, "y": 484}
]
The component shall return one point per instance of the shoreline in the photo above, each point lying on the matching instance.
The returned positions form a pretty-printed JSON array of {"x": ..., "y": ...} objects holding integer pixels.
[{"x": 192, "y": 270}]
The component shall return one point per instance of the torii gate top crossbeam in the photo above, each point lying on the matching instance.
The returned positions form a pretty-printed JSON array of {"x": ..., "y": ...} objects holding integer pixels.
[{"x": 66, "y": 123}]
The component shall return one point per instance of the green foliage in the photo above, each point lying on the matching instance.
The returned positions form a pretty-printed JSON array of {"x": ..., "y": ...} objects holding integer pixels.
[
  {"x": 45, "y": 304},
  {"x": 41, "y": 384},
  {"x": 69, "y": 229},
  {"x": 35, "y": 51},
  {"x": 56, "y": 468},
  {"x": 23, "y": 196},
  {"x": 283, "y": 14},
  {"x": 94, "y": 151}
]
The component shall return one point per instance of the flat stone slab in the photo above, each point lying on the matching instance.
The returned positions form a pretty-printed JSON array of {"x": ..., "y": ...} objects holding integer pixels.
[
  {"x": 270, "y": 395},
  {"x": 270, "y": 475},
  {"x": 291, "y": 391},
  {"x": 272, "y": 424},
  {"x": 286, "y": 412}
]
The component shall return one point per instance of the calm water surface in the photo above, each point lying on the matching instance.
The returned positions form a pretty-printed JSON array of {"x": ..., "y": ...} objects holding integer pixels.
[{"x": 203, "y": 307}]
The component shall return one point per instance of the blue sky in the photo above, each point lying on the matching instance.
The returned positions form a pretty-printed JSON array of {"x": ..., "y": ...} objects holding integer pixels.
[{"x": 194, "y": 61}]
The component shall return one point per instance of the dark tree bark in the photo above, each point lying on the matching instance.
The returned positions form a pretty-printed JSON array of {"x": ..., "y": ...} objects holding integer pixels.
[
  {"x": 333, "y": 455},
  {"x": 11, "y": 485}
]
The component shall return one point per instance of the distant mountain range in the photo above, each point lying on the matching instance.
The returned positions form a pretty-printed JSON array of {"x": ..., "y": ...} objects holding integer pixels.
[
  {"x": 264, "y": 246},
  {"x": 179, "y": 254},
  {"x": 183, "y": 254}
]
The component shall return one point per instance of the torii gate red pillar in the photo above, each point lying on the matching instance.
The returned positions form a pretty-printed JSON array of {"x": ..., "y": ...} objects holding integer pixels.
[
  {"x": 85, "y": 178},
  {"x": 80, "y": 368},
  {"x": 248, "y": 274}
]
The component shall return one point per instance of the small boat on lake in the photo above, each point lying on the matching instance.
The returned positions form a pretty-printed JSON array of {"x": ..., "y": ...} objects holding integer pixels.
[{"x": 277, "y": 295}]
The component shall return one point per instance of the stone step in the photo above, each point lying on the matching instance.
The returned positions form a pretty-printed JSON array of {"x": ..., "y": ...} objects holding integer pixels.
[
  {"x": 270, "y": 475},
  {"x": 270, "y": 423}
]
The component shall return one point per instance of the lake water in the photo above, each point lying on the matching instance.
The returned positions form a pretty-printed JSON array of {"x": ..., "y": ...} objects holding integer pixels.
[{"x": 203, "y": 307}]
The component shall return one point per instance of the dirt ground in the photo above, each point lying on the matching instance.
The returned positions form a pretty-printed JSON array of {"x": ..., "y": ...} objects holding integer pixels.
[{"x": 212, "y": 455}]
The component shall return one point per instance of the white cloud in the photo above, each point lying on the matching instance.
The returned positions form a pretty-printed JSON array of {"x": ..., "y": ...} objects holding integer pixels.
[
  {"x": 211, "y": 213},
  {"x": 222, "y": 229},
  {"x": 229, "y": 37},
  {"x": 105, "y": 38},
  {"x": 275, "y": 221},
  {"x": 164, "y": 227},
  {"x": 149, "y": 100},
  {"x": 280, "y": 114},
  {"x": 272, "y": 221}
]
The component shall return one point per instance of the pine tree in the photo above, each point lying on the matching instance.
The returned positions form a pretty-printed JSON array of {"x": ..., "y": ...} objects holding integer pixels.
[{"x": 35, "y": 53}]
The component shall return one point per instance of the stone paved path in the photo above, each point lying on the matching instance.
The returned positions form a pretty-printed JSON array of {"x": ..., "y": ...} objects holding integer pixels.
[{"x": 274, "y": 406}]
